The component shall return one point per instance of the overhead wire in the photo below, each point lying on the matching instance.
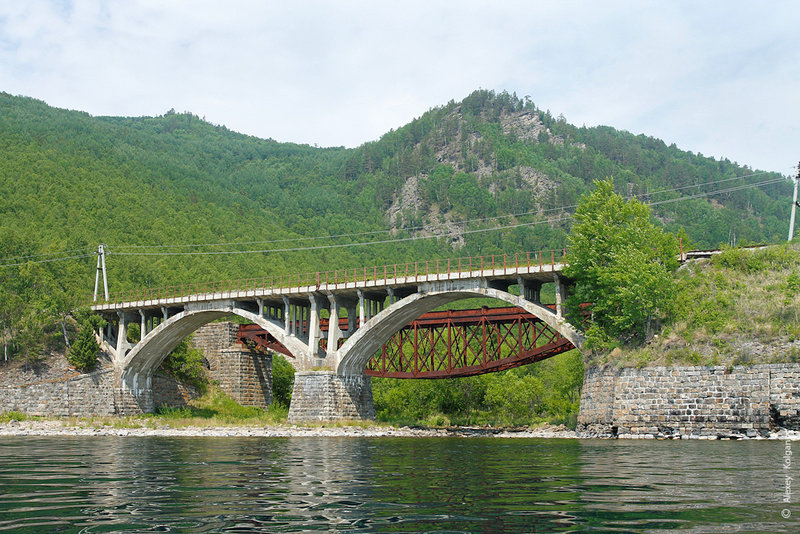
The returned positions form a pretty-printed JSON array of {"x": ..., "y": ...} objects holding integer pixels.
[
  {"x": 563, "y": 217},
  {"x": 79, "y": 256},
  {"x": 335, "y": 245},
  {"x": 463, "y": 222}
]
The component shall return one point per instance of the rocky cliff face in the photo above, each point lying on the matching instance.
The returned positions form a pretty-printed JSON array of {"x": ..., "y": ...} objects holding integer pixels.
[{"x": 456, "y": 144}]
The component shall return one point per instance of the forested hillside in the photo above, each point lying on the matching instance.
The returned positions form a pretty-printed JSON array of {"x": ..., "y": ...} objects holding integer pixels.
[{"x": 147, "y": 185}]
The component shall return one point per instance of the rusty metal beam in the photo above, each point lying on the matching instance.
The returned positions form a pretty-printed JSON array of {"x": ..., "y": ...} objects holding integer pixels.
[{"x": 450, "y": 343}]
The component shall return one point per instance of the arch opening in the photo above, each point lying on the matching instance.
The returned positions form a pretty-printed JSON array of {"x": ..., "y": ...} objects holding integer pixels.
[
  {"x": 356, "y": 353},
  {"x": 148, "y": 354}
]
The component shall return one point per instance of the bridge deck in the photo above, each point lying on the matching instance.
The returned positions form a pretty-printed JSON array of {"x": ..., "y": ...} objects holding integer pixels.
[{"x": 538, "y": 266}]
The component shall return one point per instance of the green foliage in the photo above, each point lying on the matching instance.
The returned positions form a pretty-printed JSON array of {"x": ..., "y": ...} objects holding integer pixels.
[
  {"x": 749, "y": 261},
  {"x": 186, "y": 364},
  {"x": 84, "y": 352},
  {"x": 70, "y": 181},
  {"x": 545, "y": 391},
  {"x": 214, "y": 407},
  {"x": 622, "y": 265},
  {"x": 5, "y": 417},
  {"x": 740, "y": 308},
  {"x": 282, "y": 381}
]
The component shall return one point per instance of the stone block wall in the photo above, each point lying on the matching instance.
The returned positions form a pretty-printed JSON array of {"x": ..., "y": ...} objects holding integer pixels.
[
  {"x": 685, "y": 401},
  {"x": 244, "y": 375},
  {"x": 320, "y": 396},
  {"x": 85, "y": 395}
]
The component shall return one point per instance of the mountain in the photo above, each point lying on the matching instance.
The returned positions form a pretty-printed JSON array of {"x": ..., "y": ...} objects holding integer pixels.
[{"x": 69, "y": 181}]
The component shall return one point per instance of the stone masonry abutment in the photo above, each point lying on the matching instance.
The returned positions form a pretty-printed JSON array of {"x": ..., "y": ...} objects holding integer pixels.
[{"x": 691, "y": 401}]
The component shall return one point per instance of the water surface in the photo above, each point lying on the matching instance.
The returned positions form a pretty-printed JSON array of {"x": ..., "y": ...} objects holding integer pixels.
[{"x": 149, "y": 484}]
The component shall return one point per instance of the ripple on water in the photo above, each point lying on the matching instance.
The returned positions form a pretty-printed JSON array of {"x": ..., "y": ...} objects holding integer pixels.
[{"x": 113, "y": 484}]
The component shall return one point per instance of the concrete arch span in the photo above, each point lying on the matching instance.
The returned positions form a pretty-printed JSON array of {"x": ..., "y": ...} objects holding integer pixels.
[
  {"x": 139, "y": 363},
  {"x": 357, "y": 350}
]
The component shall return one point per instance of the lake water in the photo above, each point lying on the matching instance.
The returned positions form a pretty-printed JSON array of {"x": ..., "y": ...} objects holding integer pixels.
[{"x": 147, "y": 484}]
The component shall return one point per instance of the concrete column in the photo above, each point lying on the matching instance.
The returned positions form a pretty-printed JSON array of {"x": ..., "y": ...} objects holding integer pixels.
[
  {"x": 530, "y": 290},
  {"x": 334, "y": 332},
  {"x": 260, "y": 307},
  {"x": 286, "y": 306},
  {"x": 165, "y": 313},
  {"x": 351, "y": 319},
  {"x": 143, "y": 325},
  {"x": 361, "y": 315},
  {"x": 122, "y": 335},
  {"x": 109, "y": 333},
  {"x": 392, "y": 296},
  {"x": 561, "y": 290},
  {"x": 314, "y": 332}
]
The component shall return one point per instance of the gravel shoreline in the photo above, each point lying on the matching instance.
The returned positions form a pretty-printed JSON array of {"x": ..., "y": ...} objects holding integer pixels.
[{"x": 65, "y": 429}]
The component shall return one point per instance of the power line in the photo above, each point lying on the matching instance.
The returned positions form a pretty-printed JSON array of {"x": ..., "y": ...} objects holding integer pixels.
[
  {"x": 565, "y": 216},
  {"x": 13, "y": 258},
  {"x": 703, "y": 184},
  {"x": 337, "y": 245},
  {"x": 48, "y": 260},
  {"x": 462, "y": 222},
  {"x": 418, "y": 238},
  {"x": 718, "y": 192}
]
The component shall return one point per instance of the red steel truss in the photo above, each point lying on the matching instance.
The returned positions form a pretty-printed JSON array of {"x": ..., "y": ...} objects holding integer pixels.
[
  {"x": 254, "y": 336},
  {"x": 451, "y": 343},
  {"x": 457, "y": 343}
]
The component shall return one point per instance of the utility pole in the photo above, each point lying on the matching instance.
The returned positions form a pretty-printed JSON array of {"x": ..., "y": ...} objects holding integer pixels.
[
  {"x": 795, "y": 204},
  {"x": 101, "y": 266}
]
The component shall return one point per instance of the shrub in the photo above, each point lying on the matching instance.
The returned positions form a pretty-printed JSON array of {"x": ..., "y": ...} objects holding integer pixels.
[
  {"x": 186, "y": 364},
  {"x": 83, "y": 353},
  {"x": 282, "y": 381}
]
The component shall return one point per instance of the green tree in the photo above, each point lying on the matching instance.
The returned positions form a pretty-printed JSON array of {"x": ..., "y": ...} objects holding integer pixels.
[
  {"x": 622, "y": 265},
  {"x": 83, "y": 353}
]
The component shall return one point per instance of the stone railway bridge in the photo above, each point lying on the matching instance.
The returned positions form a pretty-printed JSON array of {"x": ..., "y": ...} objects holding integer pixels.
[{"x": 330, "y": 382}]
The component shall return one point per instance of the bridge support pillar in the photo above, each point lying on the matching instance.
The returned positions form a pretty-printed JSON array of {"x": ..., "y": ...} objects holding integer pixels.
[
  {"x": 561, "y": 295},
  {"x": 123, "y": 345},
  {"x": 334, "y": 332},
  {"x": 320, "y": 396},
  {"x": 314, "y": 330}
]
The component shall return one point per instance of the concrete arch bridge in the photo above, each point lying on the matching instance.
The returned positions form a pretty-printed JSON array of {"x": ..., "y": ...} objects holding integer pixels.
[{"x": 335, "y": 358}]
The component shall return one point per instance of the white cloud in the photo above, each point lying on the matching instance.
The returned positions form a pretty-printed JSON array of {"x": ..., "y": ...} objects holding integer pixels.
[{"x": 719, "y": 78}]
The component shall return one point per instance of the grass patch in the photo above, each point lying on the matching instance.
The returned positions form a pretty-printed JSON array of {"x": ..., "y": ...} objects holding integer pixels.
[
  {"x": 739, "y": 308},
  {"x": 216, "y": 408},
  {"x": 12, "y": 416}
]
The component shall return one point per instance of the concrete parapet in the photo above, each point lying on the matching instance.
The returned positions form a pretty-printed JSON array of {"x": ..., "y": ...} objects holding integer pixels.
[{"x": 320, "y": 396}]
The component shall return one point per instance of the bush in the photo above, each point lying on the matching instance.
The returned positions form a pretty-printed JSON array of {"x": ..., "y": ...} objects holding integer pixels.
[
  {"x": 282, "y": 381},
  {"x": 186, "y": 364}
]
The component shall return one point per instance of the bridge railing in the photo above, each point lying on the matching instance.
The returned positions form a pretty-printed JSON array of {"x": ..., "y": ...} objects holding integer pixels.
[{"x": 419, "y": 270}]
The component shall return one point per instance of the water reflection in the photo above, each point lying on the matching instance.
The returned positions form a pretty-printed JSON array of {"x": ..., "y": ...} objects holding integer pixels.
[{"x": 388, "y": 484}]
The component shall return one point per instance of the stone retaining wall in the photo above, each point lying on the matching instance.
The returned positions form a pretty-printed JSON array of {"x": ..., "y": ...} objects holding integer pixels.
[
  {"x": 686, "y": 401},
  {"x": 90, "y": 394}
]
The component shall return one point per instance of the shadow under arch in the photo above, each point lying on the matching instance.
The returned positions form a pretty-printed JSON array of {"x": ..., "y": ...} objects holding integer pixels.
[
  {"x": 356, "y": 351},
  {"x": 140, "y": 362}
]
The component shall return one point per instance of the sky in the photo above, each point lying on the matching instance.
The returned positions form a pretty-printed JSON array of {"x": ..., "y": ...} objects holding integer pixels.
[{"x": 721, "y": 78}]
